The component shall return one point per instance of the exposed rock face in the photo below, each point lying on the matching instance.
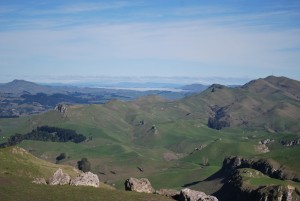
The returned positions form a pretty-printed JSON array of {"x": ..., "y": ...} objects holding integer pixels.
[
  {"x": 191, "y": 195},
  {"x": 86, "y": 179},
  {"x": 220, "y": 119},
  {"x": 235, "y": 189},
  {"x": 39, "y": 181},
  {"x": 278, "y": 193},
  {"x": 59, "y": 178},
  {"x": 139, "y": 185},
  {"x": 268, "y": 167}
]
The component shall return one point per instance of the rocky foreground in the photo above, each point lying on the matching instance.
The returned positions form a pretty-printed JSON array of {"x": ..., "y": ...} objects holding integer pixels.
[
  {"x": 138, "y": 185},
  {"x": 61, "y": 178},
  {"x": 144, "y": 186}
]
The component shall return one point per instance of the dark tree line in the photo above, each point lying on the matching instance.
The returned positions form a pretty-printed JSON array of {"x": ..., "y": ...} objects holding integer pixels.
[{"x": 46, "y": 133}]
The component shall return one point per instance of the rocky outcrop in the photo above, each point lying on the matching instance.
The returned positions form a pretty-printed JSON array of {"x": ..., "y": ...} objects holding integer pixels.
[
  {"x": 191, "y": 195},
  {"x": 85, "y": 179},
  {"x": 290, "y": 143},
  {"x": 268, "y": 167},
  {"x": 39, "y": 181},
  {"x": 61, "y": 108},
  {"x": 236, "y": 189},
  {"x": 278, "y": 193},
  {"x": 59, "y": 178},
  {"x": 138, "y": 185}
]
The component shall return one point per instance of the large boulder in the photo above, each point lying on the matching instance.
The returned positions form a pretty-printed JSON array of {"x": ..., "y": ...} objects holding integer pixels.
[
  {"x": 59, "y": 178},
  {"x": 142, "y": 185},
  {"x": 86, "y": 179},
  {"x": 191, "y": 195}
]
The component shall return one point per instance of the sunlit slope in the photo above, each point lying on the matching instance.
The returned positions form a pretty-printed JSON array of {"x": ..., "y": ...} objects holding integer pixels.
[
  {"x": 18, "y": 168},
  {"x": 152, "y": 137}
]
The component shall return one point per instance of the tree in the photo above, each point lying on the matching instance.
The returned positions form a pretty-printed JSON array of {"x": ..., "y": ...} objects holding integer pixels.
[
  {"x": 60, "y": 157},
  {"x": 84, "y": 165}
]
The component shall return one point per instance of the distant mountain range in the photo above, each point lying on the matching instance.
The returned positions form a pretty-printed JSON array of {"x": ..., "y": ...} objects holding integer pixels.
[
  {"x": 22, "y": 86},
  {"x": 21, "y": 97}
]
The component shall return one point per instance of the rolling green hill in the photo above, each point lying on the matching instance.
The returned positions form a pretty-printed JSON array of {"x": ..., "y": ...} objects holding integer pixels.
[
  {"x": 169, "y": 142},
  {"x": 18, "y": 168}
]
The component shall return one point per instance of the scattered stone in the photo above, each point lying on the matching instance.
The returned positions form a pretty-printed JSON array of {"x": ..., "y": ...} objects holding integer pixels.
[
  {"x": 290, "y": 143},
  {"x": 191, "y": 195},
  {"x": 138, "y": 185},
  {"x": 39, "y": 181},
  {"x": 86, "y": 179},
  {"x": 266, "y": 141},
  {"x": 19, "y": 151},
  {"x": 59, "y": 178},
  {"x": 171, "y": 193}
]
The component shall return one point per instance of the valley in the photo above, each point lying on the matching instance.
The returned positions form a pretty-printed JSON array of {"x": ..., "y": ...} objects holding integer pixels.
[{"x": 174, "y": 143}]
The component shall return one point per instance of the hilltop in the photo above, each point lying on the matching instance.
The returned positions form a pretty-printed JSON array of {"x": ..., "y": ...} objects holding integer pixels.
[
  {"x": 171, "y": 142},
  {"x": 271, "y": 103}
]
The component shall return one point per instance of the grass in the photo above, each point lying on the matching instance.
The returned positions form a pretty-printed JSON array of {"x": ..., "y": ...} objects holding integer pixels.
[
  {"x": 19, "y": 189},
  {"x": 256, "y": 179},
  {"x": 18, "y": 168},
  {"x": 120, "y": 145}
]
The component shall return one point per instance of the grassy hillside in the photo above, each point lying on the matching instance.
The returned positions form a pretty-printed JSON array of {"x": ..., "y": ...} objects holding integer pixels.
[
  {"x": 169, "y": 142},
  {"x": 18, "y": 168}
]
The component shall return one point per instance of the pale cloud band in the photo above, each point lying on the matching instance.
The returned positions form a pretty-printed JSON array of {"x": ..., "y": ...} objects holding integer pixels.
[{"x": 191, "y": 42}]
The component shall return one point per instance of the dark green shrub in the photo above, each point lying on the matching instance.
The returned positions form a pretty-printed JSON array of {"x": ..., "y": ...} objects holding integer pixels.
[{"x": 84, "y": 165}]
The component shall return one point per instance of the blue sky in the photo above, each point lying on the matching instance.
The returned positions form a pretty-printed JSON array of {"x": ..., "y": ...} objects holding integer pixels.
[{"x": 55, "y": 40}]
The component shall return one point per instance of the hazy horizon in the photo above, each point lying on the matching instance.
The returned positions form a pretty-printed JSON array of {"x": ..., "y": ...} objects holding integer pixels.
[{"x": 107, "y": 80}]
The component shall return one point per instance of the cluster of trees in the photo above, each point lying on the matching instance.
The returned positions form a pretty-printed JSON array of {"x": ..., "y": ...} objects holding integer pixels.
[{"x": 46, "y": 133}]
